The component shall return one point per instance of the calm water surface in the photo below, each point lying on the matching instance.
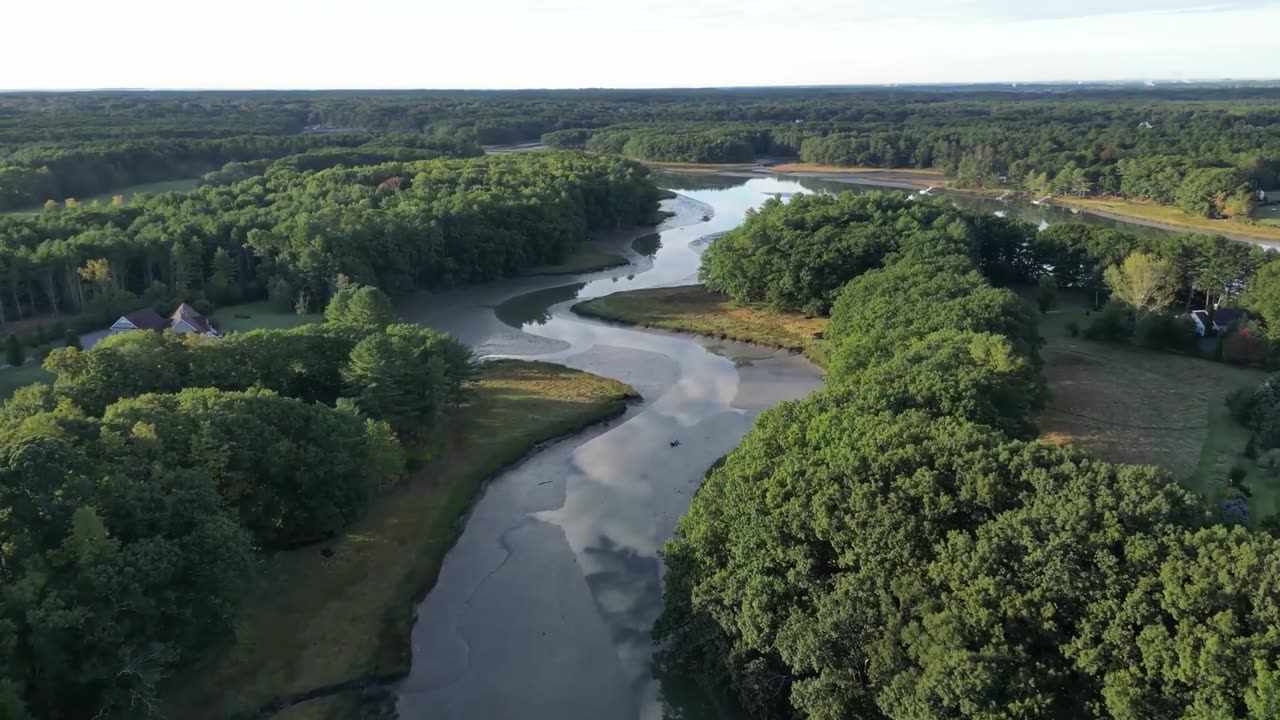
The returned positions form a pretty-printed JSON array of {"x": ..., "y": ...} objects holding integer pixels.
[{"x": 544, "y": 607}]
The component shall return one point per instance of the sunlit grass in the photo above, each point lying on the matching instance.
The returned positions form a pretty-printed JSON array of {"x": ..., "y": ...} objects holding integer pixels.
[
  {"x": 1169, "y": 215},
  {"x": 692, "y": 309},
  {"x": 261, "y": 315}
]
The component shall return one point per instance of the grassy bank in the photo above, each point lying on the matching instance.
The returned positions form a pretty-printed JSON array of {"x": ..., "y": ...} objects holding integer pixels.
[
  {"x": 585, "y": 259},
  {"x": 318, "y": 620},
  {"x": 1172, "y": 216},
  {"x": 261, "y": 315},
  {"x": 692, "y": 309}
]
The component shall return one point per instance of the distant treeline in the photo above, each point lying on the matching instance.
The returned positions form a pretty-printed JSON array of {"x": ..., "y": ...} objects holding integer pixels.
[
  {"x": 1141, "y": 143},
  {"x": 1208, "y": 159},
  {"x": 394, "y": 225}
]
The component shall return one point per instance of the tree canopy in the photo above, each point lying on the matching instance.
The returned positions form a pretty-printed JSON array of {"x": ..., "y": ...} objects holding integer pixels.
[{"x": 894, "y": 546}]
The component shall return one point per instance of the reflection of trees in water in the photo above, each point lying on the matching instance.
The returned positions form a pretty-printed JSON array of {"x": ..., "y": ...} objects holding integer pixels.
[
  {"x": 531, "y": 308},
  {"x": 649, "y": 245},
  {"x": 627, "y": 589}
]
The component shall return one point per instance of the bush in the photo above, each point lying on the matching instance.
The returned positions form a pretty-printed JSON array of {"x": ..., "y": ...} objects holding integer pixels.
[
  {"x": 71, "y": 339},
  {"x": 1161, "y": 331},
  {"x": 1241, "y": 404},
  {"x": 1073, "y": 328},
  {"x": 1047, "y": 293},
  {"x": 1114, "y": 323},
  {"x": 1244, "y": 347}
]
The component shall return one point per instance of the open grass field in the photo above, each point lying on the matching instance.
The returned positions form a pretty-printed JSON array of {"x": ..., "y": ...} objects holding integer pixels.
[
  {"x": 1128, "y": 404},
  {"x": 1268, "y": 215},
  {"x": 12, "y": 378},
  {"x": 315, "y": 621},
  {"x": 155, "y": 188},
  {"x": 261, "y": 315},
  {"x": 1168, "y": 215},
  {"x": 585, "y": 259},
  {"x": 692, "y": 309}
]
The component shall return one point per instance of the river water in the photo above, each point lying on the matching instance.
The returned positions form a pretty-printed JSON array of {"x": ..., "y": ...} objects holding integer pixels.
[{"x": 543, "y": 608}]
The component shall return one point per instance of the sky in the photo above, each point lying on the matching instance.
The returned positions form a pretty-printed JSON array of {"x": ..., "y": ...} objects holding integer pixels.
[{"x": 234, "y": 44}]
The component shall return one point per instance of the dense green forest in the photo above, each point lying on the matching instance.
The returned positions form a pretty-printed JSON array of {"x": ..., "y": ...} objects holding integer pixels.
[
  {"x": 799, "y": 256},
  {"x": 137, "y": 488},
  {"x": 292, "y": 229},
  {"x": 1208, "y": 160},
  {"x": 898, "y": 545}
]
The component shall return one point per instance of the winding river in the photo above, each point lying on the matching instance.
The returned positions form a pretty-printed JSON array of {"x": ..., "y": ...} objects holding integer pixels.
[{"x": 543, "y": 608}]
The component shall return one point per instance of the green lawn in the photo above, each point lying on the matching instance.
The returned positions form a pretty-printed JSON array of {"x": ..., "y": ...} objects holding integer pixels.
[
  {"x": 1268, "y": 215},
  {"x": 1170, "y": 215},
  {"x": 315, "y": 621},
  {"x": 692, "y": 309},
  {"x": 13, "y": 378},
  {"x": 260, "y": 315},
  {"x": 585, "y": 259},
  {"x": 155, "y": 188},
  {"x": 1128, "y": 404}
]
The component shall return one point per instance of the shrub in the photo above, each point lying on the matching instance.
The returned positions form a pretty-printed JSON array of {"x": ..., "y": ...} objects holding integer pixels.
[
  {"x": 1161, "y": 331},
  {"x": 1047, "y": 294},
  {"x": 14, "y": 354},
  {"x": 1114, "y": 323},
  {"x": 1073, "y": 328},
  {"x": 1241, "y": 404},
  {"x": 1244, "y": 347}
]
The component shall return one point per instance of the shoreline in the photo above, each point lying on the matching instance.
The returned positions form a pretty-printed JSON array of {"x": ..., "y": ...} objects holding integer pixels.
[
  {"x": 691, "y": 310},
  {"x": 360, "y": 601}
]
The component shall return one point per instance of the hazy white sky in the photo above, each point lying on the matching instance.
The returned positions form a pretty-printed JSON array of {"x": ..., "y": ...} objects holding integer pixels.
[{"x": 626, "y": 43}]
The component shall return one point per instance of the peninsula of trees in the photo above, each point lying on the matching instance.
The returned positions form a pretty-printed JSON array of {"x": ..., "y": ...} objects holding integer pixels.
[{"x": 898, "y": 545}]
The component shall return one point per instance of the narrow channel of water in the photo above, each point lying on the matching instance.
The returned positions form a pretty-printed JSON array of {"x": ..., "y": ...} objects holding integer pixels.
[{"x": 543, "y": 609}]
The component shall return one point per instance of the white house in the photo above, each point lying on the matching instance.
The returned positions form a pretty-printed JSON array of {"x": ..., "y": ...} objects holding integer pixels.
[{"x": 1223, "y": 318}]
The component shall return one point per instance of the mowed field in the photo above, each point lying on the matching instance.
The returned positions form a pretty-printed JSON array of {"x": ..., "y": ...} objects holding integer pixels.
[{"x": 1127, "y": 404}]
